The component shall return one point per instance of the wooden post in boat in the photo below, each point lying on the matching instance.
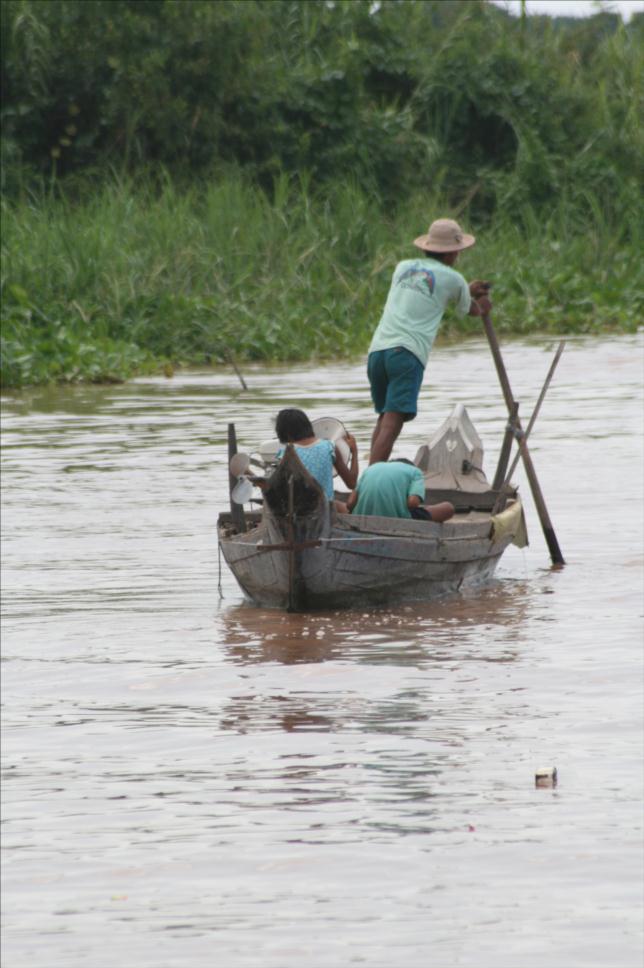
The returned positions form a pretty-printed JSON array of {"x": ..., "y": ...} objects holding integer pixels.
[
  {"x": 506, "y": 447},
  {"x": 236, "y": 510},
  {"x": 548, "y": 531}
]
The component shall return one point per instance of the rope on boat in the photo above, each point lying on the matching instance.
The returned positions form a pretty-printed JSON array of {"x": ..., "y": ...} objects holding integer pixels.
[
  {"x": 384, "y": 537},
  {"x": 219, "y": 588}
]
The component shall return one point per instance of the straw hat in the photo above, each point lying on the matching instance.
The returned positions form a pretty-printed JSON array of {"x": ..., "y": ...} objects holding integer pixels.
[{"x": 445, "y": 235}]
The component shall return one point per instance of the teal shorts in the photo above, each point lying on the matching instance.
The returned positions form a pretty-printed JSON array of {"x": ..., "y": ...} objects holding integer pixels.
[{"x": 395, "y": 376}]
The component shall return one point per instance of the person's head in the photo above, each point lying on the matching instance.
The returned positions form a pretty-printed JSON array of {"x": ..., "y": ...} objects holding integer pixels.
[
  {"x": 402, "y": 460},
  {"x": 444, "y": 240},
  {"x": 292, "y": 425}
]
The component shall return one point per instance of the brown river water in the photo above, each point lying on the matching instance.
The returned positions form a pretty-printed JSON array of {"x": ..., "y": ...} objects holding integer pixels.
[{"x": 193, "y": 782}]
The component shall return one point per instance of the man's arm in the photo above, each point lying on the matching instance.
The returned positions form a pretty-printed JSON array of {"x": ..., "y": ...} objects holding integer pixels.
[
  {"x": 479, "y": 307},
  {"x": 416, "y": 489},
  {"x": 479, "y": 287},
  {"x": 352, "y": 500},
  {"x": 348, "y": 475},
  {"x": 479, "y": 291}
]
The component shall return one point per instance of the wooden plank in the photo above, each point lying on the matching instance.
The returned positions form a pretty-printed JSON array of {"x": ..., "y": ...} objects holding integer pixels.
[
  {"x": 463, "y": 500},
  {"x": 253, "y": 518},
  {"x": 236, "y": 510},
  {"x": 289, "y": 546}
]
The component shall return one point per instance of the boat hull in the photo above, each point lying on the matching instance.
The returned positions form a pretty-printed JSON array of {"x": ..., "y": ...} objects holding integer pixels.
[{"x": 358, "y": 561}]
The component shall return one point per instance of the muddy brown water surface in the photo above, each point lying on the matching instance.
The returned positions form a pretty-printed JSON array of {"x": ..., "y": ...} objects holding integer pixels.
[{"x": 190, "y": 781}]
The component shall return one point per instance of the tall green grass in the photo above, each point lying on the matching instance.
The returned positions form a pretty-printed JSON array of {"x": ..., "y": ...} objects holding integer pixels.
[{"x": 135, "y": 276}]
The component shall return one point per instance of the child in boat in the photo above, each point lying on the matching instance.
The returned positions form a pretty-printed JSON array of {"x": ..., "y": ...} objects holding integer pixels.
[
  {"x": 319, "y": 456},
  {"x": 420, "y": 291},
  {"x": 396, "y": 489}
]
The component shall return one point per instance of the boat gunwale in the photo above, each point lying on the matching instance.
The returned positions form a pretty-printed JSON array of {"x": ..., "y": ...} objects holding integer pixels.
[{"x": 387, "y": 527}]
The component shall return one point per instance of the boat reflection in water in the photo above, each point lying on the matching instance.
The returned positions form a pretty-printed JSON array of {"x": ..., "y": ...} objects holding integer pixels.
[
  {"x": 379, "y": 748},
  {"x": 335, "y": 683},
  {"x": 414, "y": 634}
]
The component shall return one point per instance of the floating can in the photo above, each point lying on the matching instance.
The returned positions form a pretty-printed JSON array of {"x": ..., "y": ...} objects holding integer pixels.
[{"x": 546, "y": 776}]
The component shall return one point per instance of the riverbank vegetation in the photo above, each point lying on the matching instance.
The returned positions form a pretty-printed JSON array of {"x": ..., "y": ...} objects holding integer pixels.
[{"x": 186, "y": 183}]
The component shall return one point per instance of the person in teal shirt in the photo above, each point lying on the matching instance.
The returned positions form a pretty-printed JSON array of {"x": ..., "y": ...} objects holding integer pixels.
[
  {"x": 395, "y": 489},
  {"x": 420, "y": 291}
]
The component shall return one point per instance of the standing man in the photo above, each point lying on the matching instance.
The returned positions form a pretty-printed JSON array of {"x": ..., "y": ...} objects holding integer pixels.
[{"x": 420, "y": 291}]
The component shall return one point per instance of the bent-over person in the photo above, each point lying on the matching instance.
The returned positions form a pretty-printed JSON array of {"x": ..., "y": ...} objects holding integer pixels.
[{"x": 395, "y": 489}]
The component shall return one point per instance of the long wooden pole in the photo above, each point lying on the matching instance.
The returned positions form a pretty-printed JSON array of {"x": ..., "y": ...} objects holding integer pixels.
[
  {"x": 237, "y": 371},
  {"x": 537, "y": 408},
  {"x": 236, "y": 510},
  {"x": 504, "y": 456},
  {"x": 502, "y": 487},
  {"x": 546, "y": 524}
]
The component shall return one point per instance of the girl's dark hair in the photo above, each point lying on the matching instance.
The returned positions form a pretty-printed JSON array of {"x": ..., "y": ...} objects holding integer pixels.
[
  {"x": 435, "y": 255},
  {"x": 292, "y": 425}
]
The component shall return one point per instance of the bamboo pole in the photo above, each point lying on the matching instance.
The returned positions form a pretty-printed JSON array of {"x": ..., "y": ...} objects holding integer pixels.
[
  {"x": 506, "y": 447},
  {"x": 231, "y": 360},
  {"x": 535, "y": 413},
  {"x": 537, "y": 494}
]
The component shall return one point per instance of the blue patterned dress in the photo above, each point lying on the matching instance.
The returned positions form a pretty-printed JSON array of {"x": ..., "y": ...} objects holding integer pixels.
[{"x": 318, "y": 460}]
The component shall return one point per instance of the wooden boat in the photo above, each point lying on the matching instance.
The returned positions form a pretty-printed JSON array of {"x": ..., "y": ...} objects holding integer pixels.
[{"x": 299, "y": 553}]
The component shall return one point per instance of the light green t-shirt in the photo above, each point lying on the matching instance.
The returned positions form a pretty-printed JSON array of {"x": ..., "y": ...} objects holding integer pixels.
[
  {"x": 383, "y": 489},
  {"x": 419, "y": 294}
]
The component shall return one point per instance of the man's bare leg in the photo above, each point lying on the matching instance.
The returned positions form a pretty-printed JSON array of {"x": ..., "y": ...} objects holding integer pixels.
[
  {"x": 376, "y": 431},
  {"x": 385, "y": 435}
]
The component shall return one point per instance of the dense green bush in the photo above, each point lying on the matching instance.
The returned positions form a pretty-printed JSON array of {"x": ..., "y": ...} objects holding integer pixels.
[
  {"x": 402, "y": 94},
  {"x": 138, "y": 275},
  {"x": 183, "y": 181}
]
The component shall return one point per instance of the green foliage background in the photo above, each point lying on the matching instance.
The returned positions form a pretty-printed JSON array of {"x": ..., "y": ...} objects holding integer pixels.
[{"x": 183, "y": 181}]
